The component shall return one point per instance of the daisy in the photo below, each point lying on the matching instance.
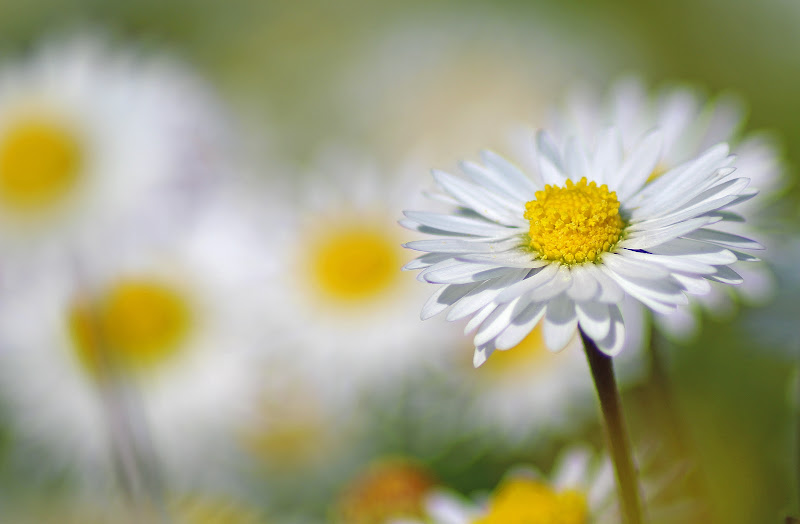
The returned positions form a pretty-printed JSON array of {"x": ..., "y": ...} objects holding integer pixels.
[
  {"x": 337, "y": 290},
  {"x": 579, "y": 490},
  {"x": 567, "y": 246},
  {"x": 87, "y": 133},
  {"x": 689, "y": 125},
  {"x": 170, "y": 323}
]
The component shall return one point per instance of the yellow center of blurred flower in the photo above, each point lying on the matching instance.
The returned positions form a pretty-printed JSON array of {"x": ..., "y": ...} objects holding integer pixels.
[
  {"x": 355, "y": 264},
  {"x": 575, "y": 223},
  {"x": 292, "y": 435},
  {"x": 524, "y": 501},
  {"x": 40, "y": 163},
  {"x": 137, "y": 325},
  {"x": 389, "y": 490}
]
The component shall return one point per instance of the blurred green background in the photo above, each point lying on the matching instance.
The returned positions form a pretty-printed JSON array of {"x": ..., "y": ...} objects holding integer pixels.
[{"x": 291, "y": 67}]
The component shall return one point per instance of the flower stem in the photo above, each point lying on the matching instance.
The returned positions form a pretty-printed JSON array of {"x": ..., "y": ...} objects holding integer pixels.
[{"x": 606, "y": 386}]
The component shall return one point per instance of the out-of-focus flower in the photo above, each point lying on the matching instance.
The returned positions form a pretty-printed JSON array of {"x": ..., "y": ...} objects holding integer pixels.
[
  {"x": 338, "y": 290},
  {"x": 94, "y": 137},
  {"x": 580, "y": 489},
  {"x": 171, "y": 323},
  {"x": 388, "y": 489},
  {"x": 567, "y": 247},
  {"x": 690, "y": 125}
]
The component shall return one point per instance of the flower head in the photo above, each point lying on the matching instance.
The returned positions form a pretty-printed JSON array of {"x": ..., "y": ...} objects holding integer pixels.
[
  {"x": 690, "y": 124},
  {"x": 567, "y": 246}
]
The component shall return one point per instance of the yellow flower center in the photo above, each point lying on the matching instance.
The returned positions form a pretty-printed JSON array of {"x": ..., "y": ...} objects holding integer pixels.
[
  {"x": 390, "y": 490},
  {"x": 524, "y": 501},
  {"x": 575, "y": 223},
  {"x": 137, "y": 325},
  {"x": 40, "y": 163},
  {"x": 355, "y": 264}
]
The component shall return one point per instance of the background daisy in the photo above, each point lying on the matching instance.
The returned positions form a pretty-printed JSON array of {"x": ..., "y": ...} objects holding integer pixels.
[{"x": 171, "y": 322}]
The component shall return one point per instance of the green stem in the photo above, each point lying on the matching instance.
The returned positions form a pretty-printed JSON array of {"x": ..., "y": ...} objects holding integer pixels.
[{"x": 608, "y": 394}]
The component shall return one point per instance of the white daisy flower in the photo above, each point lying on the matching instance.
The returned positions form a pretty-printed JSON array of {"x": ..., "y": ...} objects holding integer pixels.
[
  {"x": 87, "y": 134},
  {"x": 689, "y": 125},
  {"x": 568, "y": 246},
  {"x": 172, "y": 322},
  {"x": 338, "y": 289},
  {"x": 580, "y": 489}
]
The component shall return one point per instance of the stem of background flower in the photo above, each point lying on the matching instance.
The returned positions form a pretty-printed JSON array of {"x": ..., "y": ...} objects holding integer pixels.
[
  {"x": 608, "y": 394},
  {"x": 132, "y": 453}
]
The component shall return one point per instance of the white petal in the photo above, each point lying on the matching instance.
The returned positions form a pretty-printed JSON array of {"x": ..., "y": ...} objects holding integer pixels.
[
  {"x": 610, "y": 292},
  {"x": 699, "y": 251},
  {"x": 638, "y": 166},
  {"x": 577, "y": 165},
  {"x": 659, "y": 295},
  {"x": 511, "y": 258},
  {"x": 560, "y": 323},
  {"x": 462, "y": 273},
  {"x": 498, "y": 321},
  {"x": 651, "y": 238},
  {"x": 521, "y": 326},
  {"x": 726, "y": 275},
  {"x": 426, "y": 260},
  {"x": 483, "y": 294},
  {"x": 725, "y": 239},
  {"x": 613, "y": 343},
  {"x": 561, "y": 282},
  {"x": 460, "y": 245},
  {"x": 534, "y": 280},
  {"x": 630, "y": 267},
  {"x": 475, "y": 198},
  {"x": 457, "y": 224},
  {"x": 694, "y": 285},
  {"x": 481, "y": 354},
  {"x": 520, "y": 185},
  {"x": 443, "y": 298},
  {"x": 676, "y": 263},
  {"x": 584, "y": 285},
  {"x": 608, "y": 156},
  {"x": 479, "y": 317},
  {"x": 594, "y": 319}
]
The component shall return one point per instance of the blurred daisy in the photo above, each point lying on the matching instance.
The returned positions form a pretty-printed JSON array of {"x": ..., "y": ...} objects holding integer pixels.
[
  {"x": 171, "y": 322},
  {"x": 689, "y": 125},
  {"x": 567, "y": 247},
  {"x": 579, "y": 490},
  {"x": 86, "y": 133},
  {"x": 388, "y": 489},
  {"x": 338, "y": 291}
]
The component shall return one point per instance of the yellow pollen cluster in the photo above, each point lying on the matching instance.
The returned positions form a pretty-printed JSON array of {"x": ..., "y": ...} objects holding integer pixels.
[
  {"x": 575, "y": 223},
  {"x": 524, "y": 501}
]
